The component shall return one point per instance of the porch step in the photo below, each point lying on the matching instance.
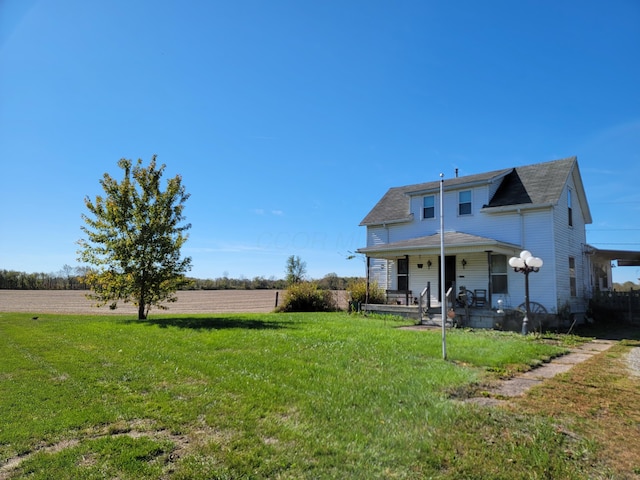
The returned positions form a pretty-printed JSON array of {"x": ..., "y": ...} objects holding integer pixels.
[
  {"x": 473, "y": 317},
  {"x": 407, "y": 311},
  {"x": 435, "y": 320}
]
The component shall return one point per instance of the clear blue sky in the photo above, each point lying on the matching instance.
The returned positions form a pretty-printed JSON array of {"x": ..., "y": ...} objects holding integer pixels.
[{"x": 288, "y": 120}]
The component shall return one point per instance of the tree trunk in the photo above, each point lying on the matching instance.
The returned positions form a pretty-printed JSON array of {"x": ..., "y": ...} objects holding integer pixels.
[{"x": 142, "y": 301}]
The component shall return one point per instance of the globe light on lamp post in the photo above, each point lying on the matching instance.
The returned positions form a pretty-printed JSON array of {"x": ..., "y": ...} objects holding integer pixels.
[{"x": 526, "y": 263}]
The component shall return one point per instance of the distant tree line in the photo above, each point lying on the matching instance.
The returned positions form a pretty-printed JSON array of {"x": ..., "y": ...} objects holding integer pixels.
[
  {"x": 625, "y": 287},
  {"x": 227, "y": 283},
  {"x": 331, "y": 281},
  {"x": 69, "y": 278}
]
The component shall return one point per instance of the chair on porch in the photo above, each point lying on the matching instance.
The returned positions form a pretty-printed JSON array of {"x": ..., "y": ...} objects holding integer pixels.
[{"x": 480, "y": 297}]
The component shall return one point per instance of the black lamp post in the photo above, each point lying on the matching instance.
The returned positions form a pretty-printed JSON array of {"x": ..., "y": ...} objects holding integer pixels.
[{"x": 526, "y": 263}]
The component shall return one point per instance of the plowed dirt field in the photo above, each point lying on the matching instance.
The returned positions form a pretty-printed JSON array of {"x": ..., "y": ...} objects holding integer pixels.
[{"x": 200, "y": 301}]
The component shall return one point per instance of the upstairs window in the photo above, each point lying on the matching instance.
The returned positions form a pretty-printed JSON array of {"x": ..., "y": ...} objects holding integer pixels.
[
  {"x": 464, "y": 203},
  {"x": 569, "y": 209},
  {"x": 429, "y": 207}
]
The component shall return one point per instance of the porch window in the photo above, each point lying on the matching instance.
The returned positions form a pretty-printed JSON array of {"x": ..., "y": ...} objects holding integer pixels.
[
  {"x": 499, "y": 282},
  {"x": 572, "y": 277},
  {"x": 464, "y": 203},
  {"x": 429, "y": 207},
  {"x": 569, "y": 209}
]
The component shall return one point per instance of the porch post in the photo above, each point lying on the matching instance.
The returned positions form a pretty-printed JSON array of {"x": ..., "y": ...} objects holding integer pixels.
[
  {"x": 406, "y": 293},
  {"x": 489, "y": 252},
  {"x": 366, "y": 295},
  {"x": 443, "y": 302},
  {"x": 527, "y": 314}
]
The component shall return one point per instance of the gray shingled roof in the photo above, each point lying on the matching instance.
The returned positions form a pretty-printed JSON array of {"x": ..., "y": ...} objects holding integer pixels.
[{"x": 538, "y": 184}]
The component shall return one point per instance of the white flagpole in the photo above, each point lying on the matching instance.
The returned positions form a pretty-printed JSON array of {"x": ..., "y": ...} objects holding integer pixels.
[{"x": 443, "y": 287}]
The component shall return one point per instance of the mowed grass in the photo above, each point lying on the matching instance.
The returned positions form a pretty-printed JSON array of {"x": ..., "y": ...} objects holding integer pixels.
[{"x": 267, "y": 396}]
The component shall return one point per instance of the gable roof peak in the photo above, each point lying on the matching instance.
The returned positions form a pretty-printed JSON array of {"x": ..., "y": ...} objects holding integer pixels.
[{"x": 534, "y": 184}]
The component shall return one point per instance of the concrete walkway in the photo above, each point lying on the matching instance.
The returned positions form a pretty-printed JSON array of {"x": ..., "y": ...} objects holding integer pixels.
[{"x": 517, "y": 386}]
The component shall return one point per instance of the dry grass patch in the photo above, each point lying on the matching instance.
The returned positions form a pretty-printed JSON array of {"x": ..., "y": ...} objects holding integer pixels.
[
  {"x": 135, "y": 429},
  {"x": 598, "y": 400}
]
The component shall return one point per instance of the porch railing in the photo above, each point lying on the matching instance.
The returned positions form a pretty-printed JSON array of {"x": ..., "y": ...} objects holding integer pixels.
[
  {"x": 450, "y": 300},
  {"x": 425, "y": 305}
]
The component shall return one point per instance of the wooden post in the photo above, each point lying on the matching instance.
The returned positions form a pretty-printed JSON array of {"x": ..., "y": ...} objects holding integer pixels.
[
  {"x": 489, "y": 299},
  {"x": 366, "y": 297},
  {"x": 406, "y": 293}
]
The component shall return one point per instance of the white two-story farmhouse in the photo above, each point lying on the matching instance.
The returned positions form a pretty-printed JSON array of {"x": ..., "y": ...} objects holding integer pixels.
[{"x": 488, "y": 218}]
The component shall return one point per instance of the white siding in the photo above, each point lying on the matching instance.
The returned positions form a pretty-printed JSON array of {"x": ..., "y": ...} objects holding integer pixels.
[
  {"x": 543, "y": 231},
  {"x": 378, "y": 272},
  {"x": 465, "y": 223},
  {"x": 474, "y": 275},
  {"x": 453, "y": 222},
  {"x": 377, "y": 236},
  {"x": 570, "y": 242},
  {"x": 505, "y": 227},
  {"x": 502, "y": 227},
  {"x": 420, "y": 277},
  {"x": 377, "y": 267},
  {"x": 421, "y": 227},
  {"x": 537, "y": 233}
]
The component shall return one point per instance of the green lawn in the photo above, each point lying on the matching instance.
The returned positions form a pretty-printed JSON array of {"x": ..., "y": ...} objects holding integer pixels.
[{"x": 265, "y": 396}]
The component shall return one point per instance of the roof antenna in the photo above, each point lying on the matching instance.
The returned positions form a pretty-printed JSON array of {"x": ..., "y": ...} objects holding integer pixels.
[{"x": 456, "y": 173}]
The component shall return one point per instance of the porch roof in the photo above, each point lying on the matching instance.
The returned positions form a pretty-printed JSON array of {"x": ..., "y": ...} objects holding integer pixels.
[
  {"x": 625, "y": 258},
  {"x": 462, "y": 242}
]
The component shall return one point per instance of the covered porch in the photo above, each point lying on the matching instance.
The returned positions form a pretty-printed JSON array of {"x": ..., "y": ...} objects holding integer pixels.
[{"x": 474, "y": 264}]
